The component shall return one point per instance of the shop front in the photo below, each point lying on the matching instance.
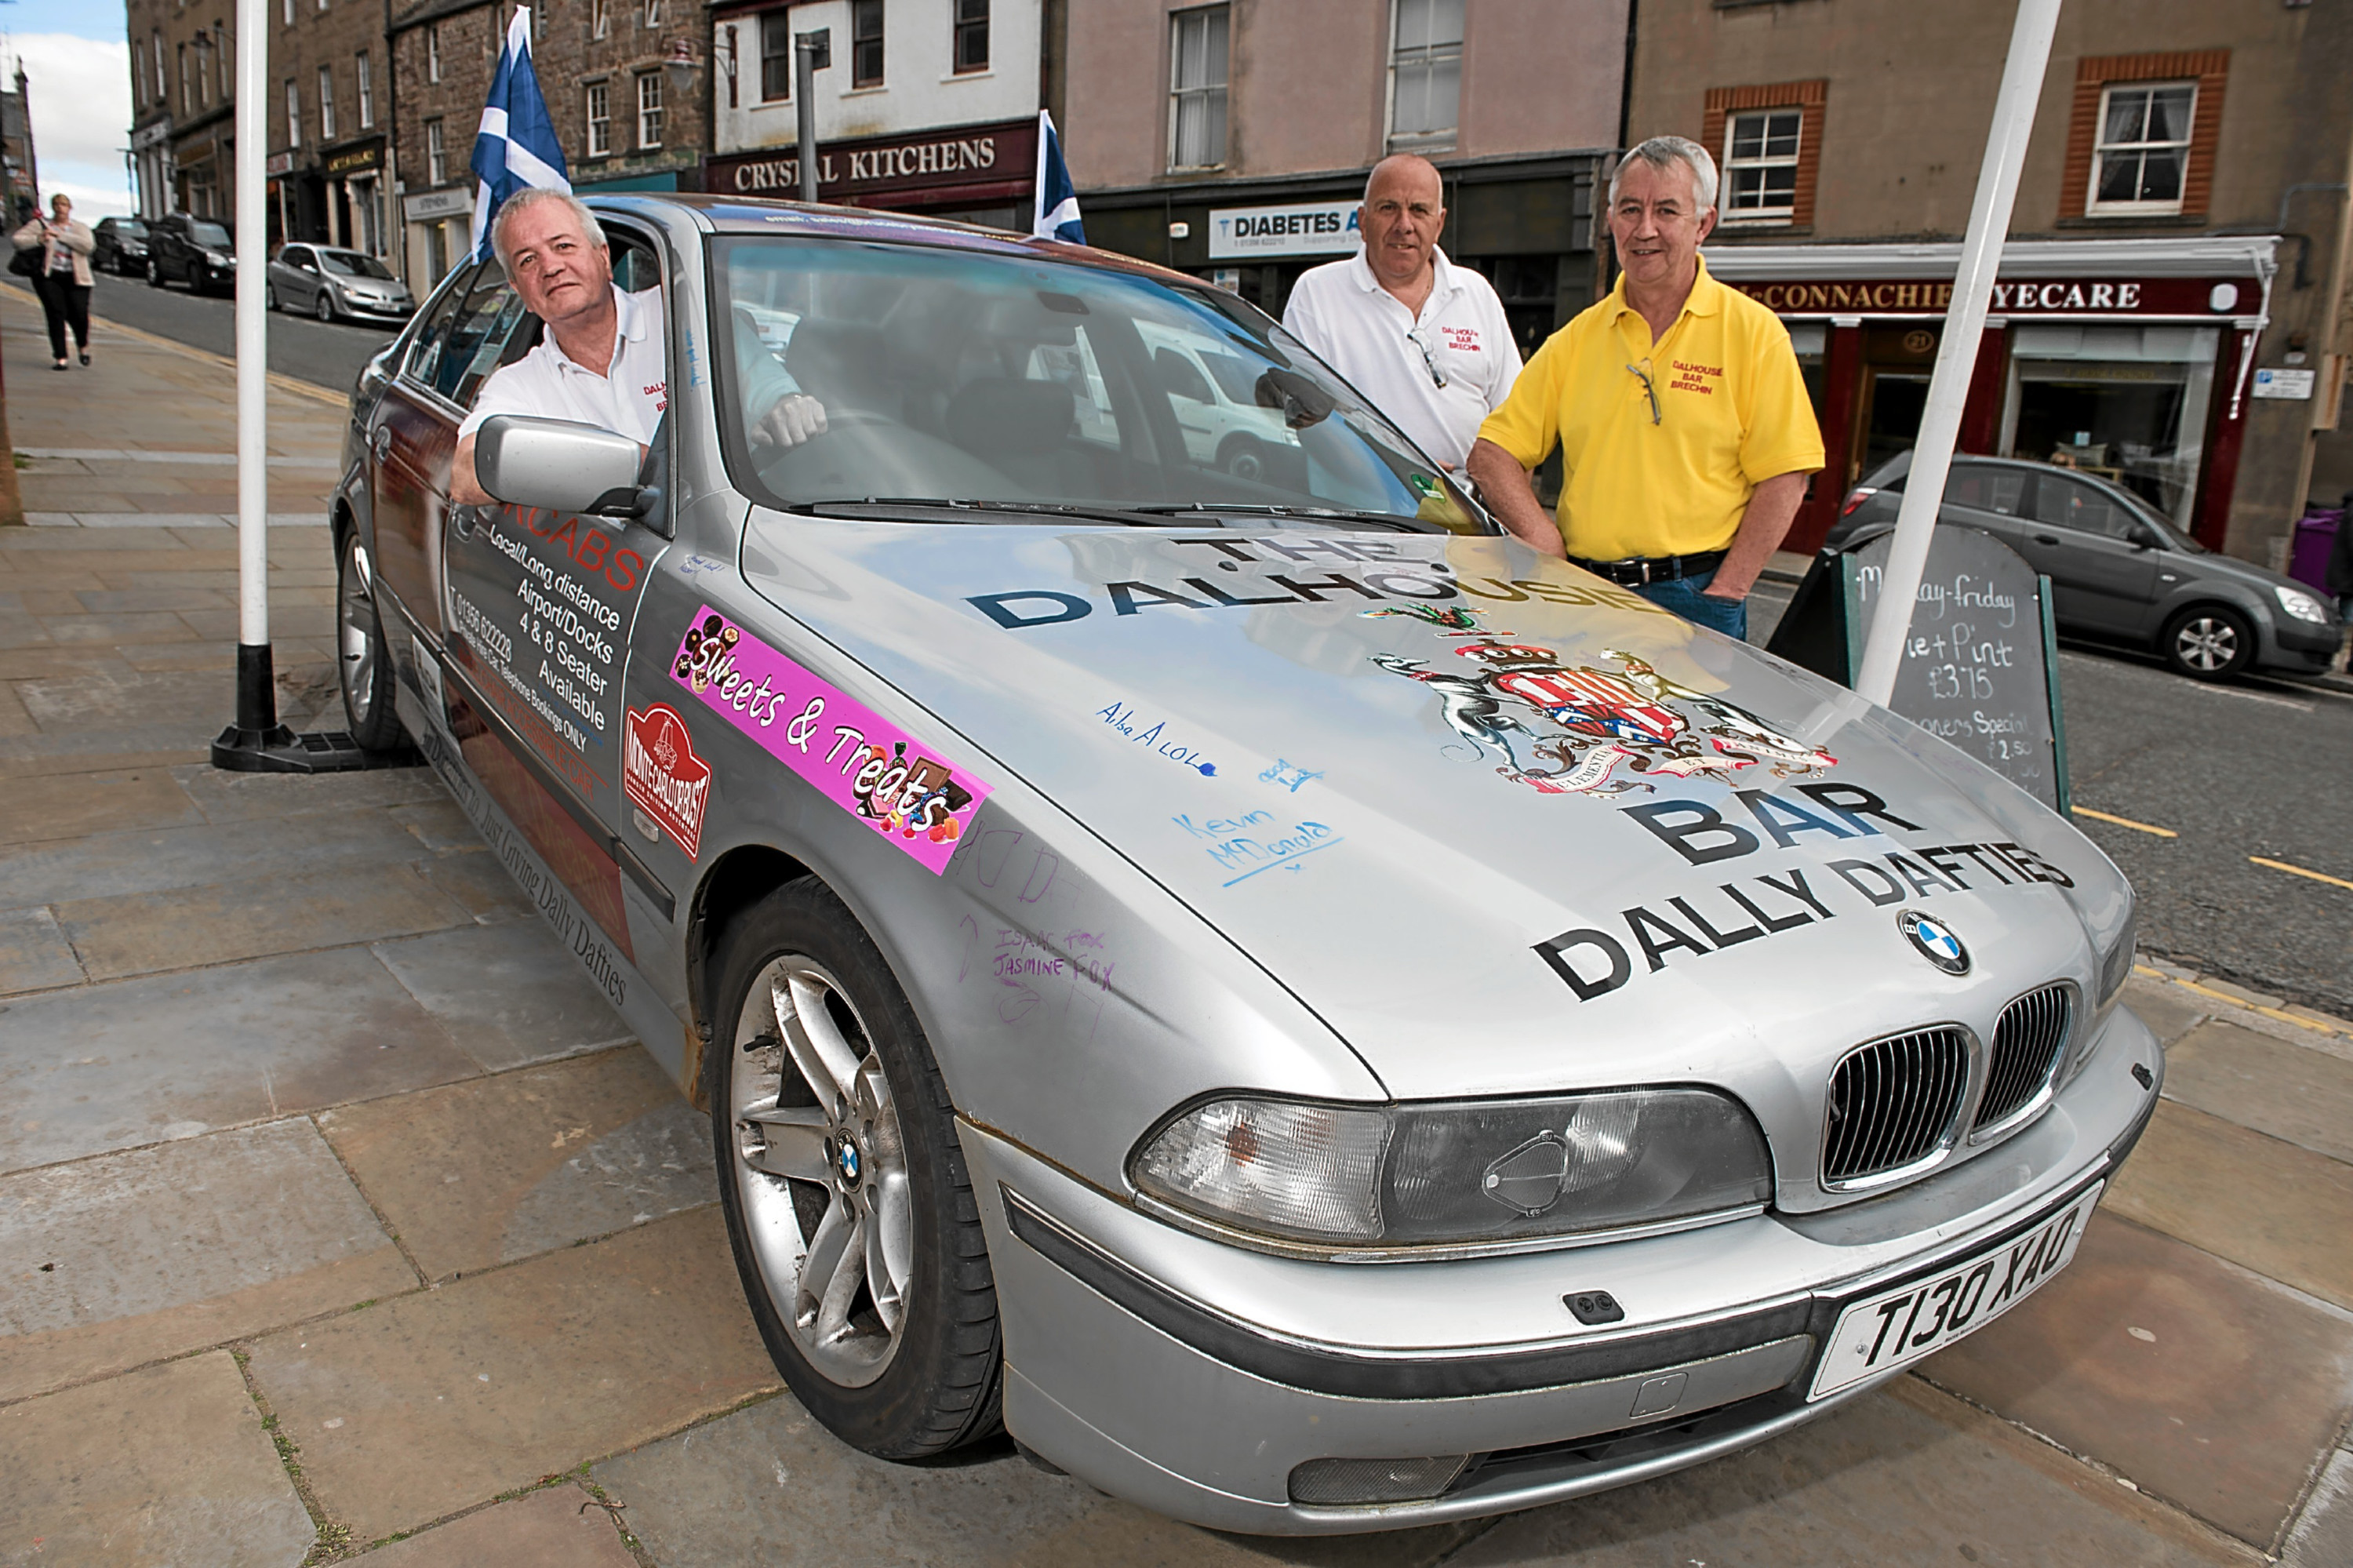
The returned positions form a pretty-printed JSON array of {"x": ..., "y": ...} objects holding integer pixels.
[
  {"x": 354, "y": 199},
  {"x": 440, "y": 227},
  {"x": 978, "y": 173},
  {"x": 2127, "y": 358}
]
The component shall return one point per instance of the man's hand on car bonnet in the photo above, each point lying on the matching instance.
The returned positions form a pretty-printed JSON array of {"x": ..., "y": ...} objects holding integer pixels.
[{"x": 795, "y": 419}]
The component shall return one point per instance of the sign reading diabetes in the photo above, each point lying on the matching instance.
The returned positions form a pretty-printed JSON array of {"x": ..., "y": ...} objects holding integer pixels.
[{"x": 2012, "y": 297}]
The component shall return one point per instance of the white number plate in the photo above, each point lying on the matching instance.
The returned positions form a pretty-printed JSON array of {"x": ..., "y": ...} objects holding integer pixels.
[{"x": 1898, "y": 1327}]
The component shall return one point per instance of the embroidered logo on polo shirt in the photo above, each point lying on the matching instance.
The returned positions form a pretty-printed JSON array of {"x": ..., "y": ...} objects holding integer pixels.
[
  {"x": 659, "y": 391},
  {"x": 1690, "y": 378},
  {"x": 1461, "y": 339}
]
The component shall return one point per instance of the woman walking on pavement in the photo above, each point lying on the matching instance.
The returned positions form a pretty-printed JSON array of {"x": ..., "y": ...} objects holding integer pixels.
[{"x": 63, "y": 281}]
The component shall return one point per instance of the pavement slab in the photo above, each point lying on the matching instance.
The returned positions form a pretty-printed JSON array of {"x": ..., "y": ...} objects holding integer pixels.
[
  {"x": 555, "y": 1527},
  {"x": 102, "y": 865},
  {"x": 111, "y": 1263},
  {"x": 1903, "y": 1475},
  {"x": 479, "y": 883},
  {"x": 2207, "y": 1386},
  {"x": 168, "y": 1466},
  {"x": 497, "y": 1169},
  {"x": 113, "y": 1066},
  {"x": 2323, "y": 1537},
  {"x": 266, "y": 797},
  {"x": 2281, "y": 1211},
  {"x": 423, "y": 1405},
  {"x": 2169, "y": 1012},
  {"x": 507, "y": 994},
  {"x": 438, "y": 824},
  {"x": 34, "y": 953},
  {"x": 256, "y": 916},
  {"x": 768, "y": 1485},
  {"x": 72, "y": 805},
  {"x": 2297, "y": 1094}
]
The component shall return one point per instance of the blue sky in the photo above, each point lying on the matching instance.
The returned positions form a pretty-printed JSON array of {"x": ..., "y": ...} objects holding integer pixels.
[{"x": 77, "y": 65}]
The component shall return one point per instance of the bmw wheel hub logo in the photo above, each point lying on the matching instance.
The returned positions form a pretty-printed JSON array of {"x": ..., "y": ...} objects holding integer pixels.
[
  {"x": 845, "y": 1160},
  {"x": 1935, "y": 941}
]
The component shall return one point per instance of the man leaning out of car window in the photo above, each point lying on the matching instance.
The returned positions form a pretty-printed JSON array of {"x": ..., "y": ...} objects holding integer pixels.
[{"x": 603, "y": 360}]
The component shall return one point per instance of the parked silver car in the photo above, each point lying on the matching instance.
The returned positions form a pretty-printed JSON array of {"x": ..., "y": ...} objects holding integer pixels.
[
  {"x": 2120, "y": 572},
  {"x": 1312, "y": 1017},
  {"x": 331, "y": 282}
]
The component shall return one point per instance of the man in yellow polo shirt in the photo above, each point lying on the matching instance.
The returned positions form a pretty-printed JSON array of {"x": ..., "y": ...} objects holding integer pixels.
[{"x": 1686, "y": 433}]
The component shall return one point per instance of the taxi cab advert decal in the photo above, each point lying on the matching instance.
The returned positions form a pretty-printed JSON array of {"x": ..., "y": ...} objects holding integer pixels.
[{"x": 857, "y": 760}]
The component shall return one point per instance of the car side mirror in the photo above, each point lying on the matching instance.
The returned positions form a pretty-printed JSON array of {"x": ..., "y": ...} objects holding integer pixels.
[
  {"x": 2142, "y": 539},
  {"x": 561, "y": 465}
]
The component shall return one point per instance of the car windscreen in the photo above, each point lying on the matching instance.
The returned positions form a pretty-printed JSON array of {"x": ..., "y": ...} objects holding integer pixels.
[
  {"x": 351, "y": 264},
  {"x": 131, "y": 227},
  {"x": 211, "y": 235},
  {"x": 1011, "y": 381}
]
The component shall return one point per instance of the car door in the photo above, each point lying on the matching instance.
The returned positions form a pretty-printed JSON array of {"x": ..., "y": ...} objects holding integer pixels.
[
  {"x": 413, "y": 436},
  {"x": 2103, "y": 575},
  {"x": 293, "y": 286},
  {"x": 539, "y": 607}
]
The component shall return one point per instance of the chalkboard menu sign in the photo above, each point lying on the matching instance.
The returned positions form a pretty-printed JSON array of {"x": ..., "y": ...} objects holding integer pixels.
[{"x": 1980, "y": 663}]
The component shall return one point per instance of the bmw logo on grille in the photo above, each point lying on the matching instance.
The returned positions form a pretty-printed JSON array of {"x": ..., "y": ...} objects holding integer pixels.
[{"x": 1936, "y": 941}]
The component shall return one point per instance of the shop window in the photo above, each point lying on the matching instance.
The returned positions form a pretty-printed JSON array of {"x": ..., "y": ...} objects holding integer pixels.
[
  {"x": 436, "y": 155},
  {"x": 1768, "y": 141},
  {"x": 2142, "y": 135},
  {"x": 776, "y": 57},
  {"x": 1197, "y": 88},
  {"x": 2124, "y": 403},
  {"x": 649, "y": 111},
  {"x": 970, "y": 36},
  {"x": 1424, "y": 75},
  {"x": 600, "y": 119},
  {"x": 2143, "y": 150},
  {"x": 866, "y": 43}
]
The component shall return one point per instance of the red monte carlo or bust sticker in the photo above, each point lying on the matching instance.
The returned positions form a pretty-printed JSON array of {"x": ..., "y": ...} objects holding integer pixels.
[{"x": 663, "y": 776}]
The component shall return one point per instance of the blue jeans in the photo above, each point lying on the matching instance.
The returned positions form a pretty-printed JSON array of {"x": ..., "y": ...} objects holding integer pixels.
[{"x": 1683, "y": 596}]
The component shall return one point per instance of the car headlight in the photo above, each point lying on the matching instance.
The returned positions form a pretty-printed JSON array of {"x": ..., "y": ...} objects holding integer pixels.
[
  {"x": 1460, "y": 1173},
  {"x": 2302, "y": 606},
  {"x": 217, "y": 259},
  {"x": 2115, "y": 967}
]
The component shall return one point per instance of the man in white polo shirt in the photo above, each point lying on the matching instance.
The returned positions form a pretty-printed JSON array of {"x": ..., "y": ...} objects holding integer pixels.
[
  {"x": 603, "y": 360},
  {"x": 1424, "y": 339}
]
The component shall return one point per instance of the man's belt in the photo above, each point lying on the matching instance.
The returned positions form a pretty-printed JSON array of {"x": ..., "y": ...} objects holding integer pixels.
[{"x": 1636, "y": 570}]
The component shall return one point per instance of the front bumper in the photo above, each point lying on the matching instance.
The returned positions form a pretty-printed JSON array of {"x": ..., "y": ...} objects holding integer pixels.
[
  {"x": 1194, "y": 1377},
  {"x": 378, "y": 310},
  {"x": 2301, "y": 646}
]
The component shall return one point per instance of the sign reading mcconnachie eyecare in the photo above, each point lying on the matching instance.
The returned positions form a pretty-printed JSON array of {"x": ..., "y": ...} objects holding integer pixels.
[{"x": 1305, "y": 229}]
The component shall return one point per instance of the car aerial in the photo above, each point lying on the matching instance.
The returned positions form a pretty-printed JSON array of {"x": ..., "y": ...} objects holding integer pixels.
[
  {"x": 121, "y": 246},
  {"x": 197, "y": 251},
  {"x": 1312, "y": 1017},
  {"x": 331, "y": 283},
  {"x": 2121, "y": 572}
]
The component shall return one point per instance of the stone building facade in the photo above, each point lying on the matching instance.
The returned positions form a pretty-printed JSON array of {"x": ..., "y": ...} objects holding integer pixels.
[
  {"x": 331, "y": 119},
  {"x": 2172, "y": 305},
  {"x": 625, "y": 83},
  {"x": 183, "y": 103}
]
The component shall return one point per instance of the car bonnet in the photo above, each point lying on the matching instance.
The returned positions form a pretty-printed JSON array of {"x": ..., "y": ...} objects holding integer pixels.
[{"x": 1503, "y": 826}]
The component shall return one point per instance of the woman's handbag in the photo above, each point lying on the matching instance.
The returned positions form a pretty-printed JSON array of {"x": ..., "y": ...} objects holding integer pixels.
[{"x": 27, "y": 263}]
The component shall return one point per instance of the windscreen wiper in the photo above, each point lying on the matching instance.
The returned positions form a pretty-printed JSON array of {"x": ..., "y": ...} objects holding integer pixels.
[
  {"x": 958, "y": 509},
  {"x": 1393, "y": 521}
]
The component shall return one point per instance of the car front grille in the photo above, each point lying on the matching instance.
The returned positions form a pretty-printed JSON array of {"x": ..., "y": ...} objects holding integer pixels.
[
  {"x": 1893, "y": 1103},
  {"x": 2026, "y": 1047}
]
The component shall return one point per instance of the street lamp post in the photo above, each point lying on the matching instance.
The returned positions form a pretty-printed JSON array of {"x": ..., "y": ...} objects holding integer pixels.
[{"x": 812, "y": 52}]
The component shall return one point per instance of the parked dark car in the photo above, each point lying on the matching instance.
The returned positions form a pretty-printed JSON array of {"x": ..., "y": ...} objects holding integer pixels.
[
  {"x": 330, "y": 281},
  {"x": 2120, "y": 571},
  {"x": 197, "y": 251},
  {"x": 121, "y": 246}
]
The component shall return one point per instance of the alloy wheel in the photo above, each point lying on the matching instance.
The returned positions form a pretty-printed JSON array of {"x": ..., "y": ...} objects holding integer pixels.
[
  {"x": 820, "y": 1169},
  {"x": 355, "y": 634},
  {"x": 2206, "y": 643}
]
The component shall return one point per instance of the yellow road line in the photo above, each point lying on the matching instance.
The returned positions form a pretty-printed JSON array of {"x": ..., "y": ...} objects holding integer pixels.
[
  {"x": 2299, "y": 871},
  {"x": 2123, "y": 822}
]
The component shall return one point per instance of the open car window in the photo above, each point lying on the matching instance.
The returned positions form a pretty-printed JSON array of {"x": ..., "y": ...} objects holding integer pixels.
[{"x": 1023, "y": 381}]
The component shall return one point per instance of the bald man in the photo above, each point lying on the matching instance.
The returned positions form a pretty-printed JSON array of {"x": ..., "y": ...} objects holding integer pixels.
[{"x": 1425, "y": 340}]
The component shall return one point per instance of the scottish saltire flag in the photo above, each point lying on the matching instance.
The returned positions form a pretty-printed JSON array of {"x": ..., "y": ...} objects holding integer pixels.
[
  {"x": 516, "y": 146},
  {"x": 1056, "y": 215}
]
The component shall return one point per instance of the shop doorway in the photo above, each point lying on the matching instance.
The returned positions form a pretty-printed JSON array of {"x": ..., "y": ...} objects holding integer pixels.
[{"x": 1893, "y": 402}]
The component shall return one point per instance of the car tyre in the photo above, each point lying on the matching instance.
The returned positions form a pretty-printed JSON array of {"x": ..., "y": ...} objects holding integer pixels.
[
  {"x": 322, "y": 306},
  {"x": 2209, "y": 642},
  {"x": 363, "y": 661},
  {"x": 848, "y": 1203},
  {"x": 268, "y": 296},
  {"x": 155, "y": 273},
  {"x": 1243, "y": 458}
]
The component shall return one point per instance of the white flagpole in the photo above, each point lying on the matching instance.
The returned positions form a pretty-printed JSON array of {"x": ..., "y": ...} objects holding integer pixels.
[{"x": 1948, "y": 385}]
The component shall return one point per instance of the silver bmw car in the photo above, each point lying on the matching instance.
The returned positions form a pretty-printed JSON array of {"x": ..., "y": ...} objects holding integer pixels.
[{"x": 1310, "y": 1017}]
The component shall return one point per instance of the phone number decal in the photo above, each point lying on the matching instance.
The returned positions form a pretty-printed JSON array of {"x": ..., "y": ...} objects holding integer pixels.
[{"x": 861, "y": 762}]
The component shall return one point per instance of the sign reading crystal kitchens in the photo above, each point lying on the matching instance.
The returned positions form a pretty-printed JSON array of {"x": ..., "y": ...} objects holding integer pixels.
[
  {"x": 971, "y": 163},
  {"x": 2012, "y": 297}
]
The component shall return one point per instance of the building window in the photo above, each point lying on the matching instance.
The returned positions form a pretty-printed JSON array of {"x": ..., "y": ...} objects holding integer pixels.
[
  {"x": 651, "y": 15},
  {"x": 326, "y": 103},
  {"x": 367, "y": 92},
  {"x": 866, "y": 43},
  {"x": 776, "y": 57},
  {"x": 162, "y": 88},
  {"x": 293, "y": 113},
  {"x": 289, "y": 12},
  {"x": 649, "y": 110},
  {"x": 433, "y": 52},
  {"x": 600, "y": 119},
  {"x": 204, "y": 69},
  {"x": 1197, "y": 89},
  {"x": 2143, "y": 150},
  {"x": 436, "y": 156},
  {"x": 1425, "y": 74},
  {"x": 970, "y": 36},
  {"x": 1760, "y": 163},
  {"x": 180, "y": 55},
  {"x": 138, "y": 73},
  {"x": 600, "y": 20}
]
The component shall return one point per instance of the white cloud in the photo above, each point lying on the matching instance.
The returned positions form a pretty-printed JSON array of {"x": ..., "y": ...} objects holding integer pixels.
[{"x": 82, "y": 117}]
